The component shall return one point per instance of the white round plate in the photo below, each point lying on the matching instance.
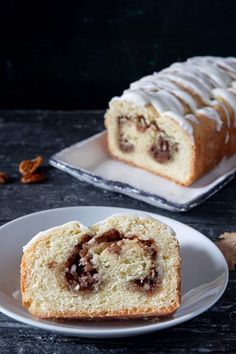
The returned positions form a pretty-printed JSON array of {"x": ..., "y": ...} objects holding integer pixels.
[{"x": 204, "y": 273}]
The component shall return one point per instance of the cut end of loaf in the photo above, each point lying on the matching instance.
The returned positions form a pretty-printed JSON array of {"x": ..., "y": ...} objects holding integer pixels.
[
  {"x": 123, "y": 267},
  {"x": 142, "y": 137}
]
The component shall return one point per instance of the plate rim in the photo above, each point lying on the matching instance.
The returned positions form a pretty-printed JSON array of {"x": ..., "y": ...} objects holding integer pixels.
[
  {"x": 119, "y": 332},
  {"x": 119, "y": 187}
]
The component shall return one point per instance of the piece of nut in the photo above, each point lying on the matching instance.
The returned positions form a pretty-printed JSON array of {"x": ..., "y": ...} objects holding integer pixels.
[
  {"x": 33, "y": 178},
  {"x": 4, "y": 178},
  {"x": 29, "y": 166}
]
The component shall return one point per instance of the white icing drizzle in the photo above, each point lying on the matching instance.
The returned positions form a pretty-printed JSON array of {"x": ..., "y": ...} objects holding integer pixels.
[
  {"x": 161, "y": 100},
  {"x": 194, "y": 71},
  {"x": 227, "y": 67},
  {"x": 187, "y": 99},
  {"x": 176, "y": 88},
  {"x": 215, "y": 75},
  {"x": 171, "y": 87},
  {"x": 227, "y": 138},
  {"x": 229, "y": 98},
  {"x": 208, "y": 65},
  {"x": 134, "y": 96},
  {"x": 232, "y": 90},
  {"x": 185, "y": 83},
  {"x": 187, "y": 73},
  {"x": 228, "y": 121},
  {"x": 192, "y": 117},
  {"x": 167, "y": 100},
  {"x": 211, "y": 113}
]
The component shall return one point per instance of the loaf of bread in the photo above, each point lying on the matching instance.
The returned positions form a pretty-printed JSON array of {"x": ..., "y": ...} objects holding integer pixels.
[
  {"x": 126, "y": 266},
  {"x": 178, "y": 123}
]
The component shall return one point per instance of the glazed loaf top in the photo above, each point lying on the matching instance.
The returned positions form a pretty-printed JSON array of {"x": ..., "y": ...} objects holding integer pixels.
[{"x": 185, "y": 90}]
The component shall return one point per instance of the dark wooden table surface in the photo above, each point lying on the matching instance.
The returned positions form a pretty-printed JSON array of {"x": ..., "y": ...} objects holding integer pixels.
[{"x": 27, "y": 134}]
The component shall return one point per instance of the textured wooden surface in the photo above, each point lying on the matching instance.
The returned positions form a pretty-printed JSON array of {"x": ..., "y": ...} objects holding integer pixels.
[{"x": 27, "y": 134}]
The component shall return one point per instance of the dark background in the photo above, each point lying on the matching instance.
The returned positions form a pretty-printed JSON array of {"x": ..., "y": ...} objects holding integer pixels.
[{"x": 78, "y": 54}]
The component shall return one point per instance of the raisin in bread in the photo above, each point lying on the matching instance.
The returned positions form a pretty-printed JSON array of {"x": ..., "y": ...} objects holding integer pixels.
[
  {"x": 126, "y": 266},
  {"x": 178, "y": 123}
]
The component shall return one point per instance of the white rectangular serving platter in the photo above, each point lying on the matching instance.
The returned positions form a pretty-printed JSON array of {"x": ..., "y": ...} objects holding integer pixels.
[{"x": 90, "y": 161}]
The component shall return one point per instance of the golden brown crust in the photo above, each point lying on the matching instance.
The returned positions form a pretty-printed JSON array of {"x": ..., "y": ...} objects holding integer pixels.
[
  {"x": 210, "y": 144},
  {"x": 25, "y": 271},
  {"x": 23, "y": 285},
  {"x": 178, "y": 269},
  {"x": 116, "y": 315},
  {"x": 23, "y": 282}
]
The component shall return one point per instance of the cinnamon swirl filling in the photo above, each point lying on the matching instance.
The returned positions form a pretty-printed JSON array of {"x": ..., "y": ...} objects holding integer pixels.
[{"x": 85, "y": 270}]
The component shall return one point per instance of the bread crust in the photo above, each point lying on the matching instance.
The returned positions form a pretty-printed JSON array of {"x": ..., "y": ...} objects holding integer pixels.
[
  {"x": 134, "y": 313},
  {"x": 115, "y": 315}
]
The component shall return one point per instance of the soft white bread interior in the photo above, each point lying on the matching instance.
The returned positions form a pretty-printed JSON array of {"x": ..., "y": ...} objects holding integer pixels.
[
  {"x": 126, "y": 266},
  {"x": 133, "y": 134}
]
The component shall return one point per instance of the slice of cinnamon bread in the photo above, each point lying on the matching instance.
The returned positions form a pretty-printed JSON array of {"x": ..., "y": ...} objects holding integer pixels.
[{"x": 126, "y": 266}]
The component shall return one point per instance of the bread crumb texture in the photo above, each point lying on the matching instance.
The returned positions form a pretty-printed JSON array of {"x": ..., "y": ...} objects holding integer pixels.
[{"x": 45, "y": 289}]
